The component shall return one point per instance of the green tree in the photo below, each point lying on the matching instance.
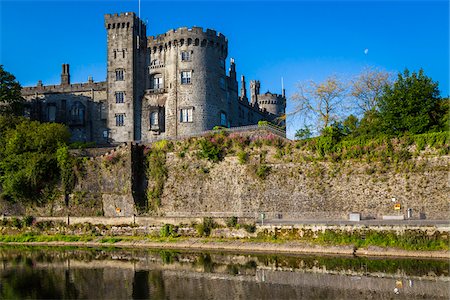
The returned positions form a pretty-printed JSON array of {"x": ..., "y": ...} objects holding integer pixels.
[
  {"x": 11, "y": 101},
  {"x": 303, "y": 133},
  {"x": 28, "y": 163},
  {"x": 410, "y": 105}
]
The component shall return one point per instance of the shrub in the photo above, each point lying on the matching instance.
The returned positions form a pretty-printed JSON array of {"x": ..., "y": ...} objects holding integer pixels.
[
  {"x": 210, "y": 149},
  {"x": 16, "y": 223},
  {"x": 263, "y": 171},
  {"x": 168, "y": 230},
  {"x": 28, "y": 220},
  {"x": 250, "y": 228},
  {"x": 242, "y": 157},
  {"x": 205, "y": 228},
  {"x": 231, "y": 222}
]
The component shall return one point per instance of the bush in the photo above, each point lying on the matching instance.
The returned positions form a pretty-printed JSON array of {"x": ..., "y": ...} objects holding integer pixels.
[
  {"x": 250, "y": 228},
  {"x": 210, "y": 149},
  {"x": 28, "y": 220},
  {"x": 16, "y": 223},
  {"x": 263, "y": 171},
  {"x": 242, "y": 157},
  {"x": 231, "y": 222},
  {"x": 205, "y": 228},
  {"x": 168, "y": 230}
]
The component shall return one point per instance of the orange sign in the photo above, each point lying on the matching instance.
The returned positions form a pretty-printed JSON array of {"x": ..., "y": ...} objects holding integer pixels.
[{"x": 397, "y": 206}]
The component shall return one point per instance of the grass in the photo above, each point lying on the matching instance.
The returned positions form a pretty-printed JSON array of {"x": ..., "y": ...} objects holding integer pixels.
[{"x": 413, "y": 240}]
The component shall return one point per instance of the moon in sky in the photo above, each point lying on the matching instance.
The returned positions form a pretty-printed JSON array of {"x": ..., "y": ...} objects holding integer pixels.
[{"x": 366, "y": 51}]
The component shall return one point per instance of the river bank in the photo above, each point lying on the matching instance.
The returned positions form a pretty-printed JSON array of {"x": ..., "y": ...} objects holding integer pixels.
[
  {"x": 400, "y": 240},
  {"x": 237, "y": 246}
]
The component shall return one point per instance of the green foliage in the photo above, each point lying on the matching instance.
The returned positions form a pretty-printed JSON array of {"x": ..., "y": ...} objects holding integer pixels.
[
  {"x": 205, "y": 228},
  {"x": 410, "y": 104},
  {"x": 168, "y": 230},
  {"x": 28, "y": 163},
  {"x": 11, "y": 101},
  {"x": 410, "y": 240},
  {"x": 28, "y": 220},
  {"x": 211, "y": 148},
  {"x": 250, "y": 228},
  {"x": 263, "y": 171},
  {"x": 157, "y": 172},
  {"x": 65, "y": 164},
  {"x": 242, "y": 157},
  {"x": 231, "y": 222},
  {"x": 82, "y": 145},
  {"x": 303, "y": 133}
]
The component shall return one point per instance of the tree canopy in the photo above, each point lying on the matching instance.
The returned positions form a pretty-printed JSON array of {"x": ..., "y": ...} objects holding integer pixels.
[
  {"x": 410, "y": 104},
  {"x": 11, "y": 101}
]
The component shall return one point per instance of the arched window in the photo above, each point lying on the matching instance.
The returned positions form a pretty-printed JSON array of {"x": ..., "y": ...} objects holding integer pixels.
[{"x": 77, "y": 113}]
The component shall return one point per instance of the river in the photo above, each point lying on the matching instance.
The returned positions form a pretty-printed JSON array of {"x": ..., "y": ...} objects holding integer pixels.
[{"x": 110, "y": 273}]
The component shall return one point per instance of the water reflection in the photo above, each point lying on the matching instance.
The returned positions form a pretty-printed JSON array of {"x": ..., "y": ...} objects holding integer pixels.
[{"x": 70, "y": 273}]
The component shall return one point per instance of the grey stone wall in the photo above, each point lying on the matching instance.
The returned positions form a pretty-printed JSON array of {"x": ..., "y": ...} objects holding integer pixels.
[
  {"x": 82, "y": 107},
  {"x": 306, "y": 190}
]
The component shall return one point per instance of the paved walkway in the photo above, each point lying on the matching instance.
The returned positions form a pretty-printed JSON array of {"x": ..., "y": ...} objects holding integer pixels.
[{"x": 412, "y": 222}]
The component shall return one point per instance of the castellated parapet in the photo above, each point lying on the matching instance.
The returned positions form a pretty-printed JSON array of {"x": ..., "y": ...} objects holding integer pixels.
[{"x": 165, "y": 86}]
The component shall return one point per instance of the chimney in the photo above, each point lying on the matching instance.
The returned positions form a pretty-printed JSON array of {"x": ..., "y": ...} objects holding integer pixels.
[{"x": 65, "y": 75}]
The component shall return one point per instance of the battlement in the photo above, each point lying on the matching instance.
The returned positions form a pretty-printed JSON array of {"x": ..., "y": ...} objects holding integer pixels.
[
  {"x": 71, "y": 88},
  {"x": 191, "y": 36},
  {"x": 122, "y": 20}
]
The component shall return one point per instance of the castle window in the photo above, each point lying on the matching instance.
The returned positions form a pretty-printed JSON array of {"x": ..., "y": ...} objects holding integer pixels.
[
  {"x": 154, "y": 118},
  {"x": 222, "y": 83},
  {"x": 196, "y": 42},
  {"x": 154, "y": 122},
  {"x": 185, "y": 55},
  {"x": 119, "y": 74},
  {"x": 115, "y": 54},
  {"x": 51, "y": 110},
  {"x": 123, "y": 53},
  {"x": 120, "y": 119},
  {"x": 27, "y": 111},
  {"x": 222, "y": 63},
  {"x": 185, "y": 77},
  {"x": 77, "y": 112},
  {"x": 156, "y": 82},
  {"x": 223, "y": 119},
  {"x": 120, "y": 97},
  {"x": 186, "y": 115},
  {"x": 103, "y": 110}
]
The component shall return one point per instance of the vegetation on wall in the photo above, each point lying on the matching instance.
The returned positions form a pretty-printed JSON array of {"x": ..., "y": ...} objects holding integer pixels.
[{"x": 156, "y": 171}]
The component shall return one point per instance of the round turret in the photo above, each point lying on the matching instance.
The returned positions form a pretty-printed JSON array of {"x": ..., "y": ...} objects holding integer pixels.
[
  {"x": 188, "y": 64},
  {"x": 273, "y": 103}
]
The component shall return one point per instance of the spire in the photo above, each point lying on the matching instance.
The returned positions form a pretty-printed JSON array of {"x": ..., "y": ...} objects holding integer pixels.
[{"x": 243, "y": 89}]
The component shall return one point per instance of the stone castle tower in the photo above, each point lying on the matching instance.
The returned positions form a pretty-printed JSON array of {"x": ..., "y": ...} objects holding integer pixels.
[{"x": 167, "y": 86}]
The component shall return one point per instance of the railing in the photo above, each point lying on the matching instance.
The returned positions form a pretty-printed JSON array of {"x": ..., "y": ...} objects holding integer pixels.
[{"x": 156, "y": 91}]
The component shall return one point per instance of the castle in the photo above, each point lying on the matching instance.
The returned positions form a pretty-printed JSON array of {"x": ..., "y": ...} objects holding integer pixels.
[{"x": 165, "y": 86}]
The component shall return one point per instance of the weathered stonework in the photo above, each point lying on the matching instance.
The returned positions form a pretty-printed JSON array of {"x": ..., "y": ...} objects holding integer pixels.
[{"x": 166, "y": 86}]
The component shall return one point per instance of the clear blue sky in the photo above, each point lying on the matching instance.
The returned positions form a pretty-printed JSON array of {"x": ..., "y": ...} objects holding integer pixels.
[{"x": 297, "y": 40}]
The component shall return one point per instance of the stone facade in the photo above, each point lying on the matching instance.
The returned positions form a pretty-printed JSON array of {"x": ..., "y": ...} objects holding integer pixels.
[{"x": 165, "y": 86}]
